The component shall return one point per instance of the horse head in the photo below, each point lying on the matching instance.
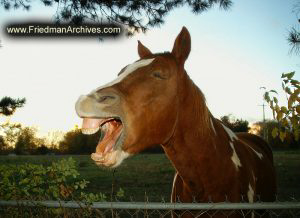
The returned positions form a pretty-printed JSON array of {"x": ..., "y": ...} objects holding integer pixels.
[{"x": 139, "y": 108}]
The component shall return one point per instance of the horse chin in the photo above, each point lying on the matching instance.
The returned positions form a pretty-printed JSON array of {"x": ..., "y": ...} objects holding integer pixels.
[
  {"x": 109, "y": 151},
  {"x": 112, "y": 158}
]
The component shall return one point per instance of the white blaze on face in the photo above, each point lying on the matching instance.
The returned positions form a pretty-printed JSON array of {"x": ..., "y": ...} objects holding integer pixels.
[
  {"x": 128, "y": 70},
  {"x": 235, "y": 159}
]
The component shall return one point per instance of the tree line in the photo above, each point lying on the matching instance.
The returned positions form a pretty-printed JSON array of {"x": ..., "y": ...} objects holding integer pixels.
[{"x": 22, "y": 140}]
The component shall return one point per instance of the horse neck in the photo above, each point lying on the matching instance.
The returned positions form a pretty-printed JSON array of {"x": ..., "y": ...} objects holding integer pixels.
[{"x": 192, "y": 148}]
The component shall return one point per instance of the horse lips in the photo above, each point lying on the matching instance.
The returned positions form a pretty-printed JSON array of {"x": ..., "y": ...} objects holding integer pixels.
[{"x": 90, "y": 126}]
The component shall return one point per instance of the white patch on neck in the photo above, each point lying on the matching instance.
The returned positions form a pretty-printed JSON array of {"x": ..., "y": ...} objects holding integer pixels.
[
  {"x": 173, "y": 187},
  {"x": 250, "y": 193},
  {"x": 235, "y": 159},
  {"x": 253, "y": 177},
  {"x": 129, "y": 69},
  {"x": 230, "y": 133},
  {"x": 259, "y": 155},
  {"x": 212, "y": 126}
]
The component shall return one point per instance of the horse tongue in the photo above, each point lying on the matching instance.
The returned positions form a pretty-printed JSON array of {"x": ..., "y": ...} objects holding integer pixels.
[
  {"x": 112, "y": 132},
  {"x": 90, "y": 125}
]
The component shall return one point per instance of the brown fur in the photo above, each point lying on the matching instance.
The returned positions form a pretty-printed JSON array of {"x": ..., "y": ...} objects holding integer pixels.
[{"x": 160, "y": 104}]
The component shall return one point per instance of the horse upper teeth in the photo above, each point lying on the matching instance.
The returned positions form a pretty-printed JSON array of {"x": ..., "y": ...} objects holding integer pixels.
[{"x": 90, "y": 131}]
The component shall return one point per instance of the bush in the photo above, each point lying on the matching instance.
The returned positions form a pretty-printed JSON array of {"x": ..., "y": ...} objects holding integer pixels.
[
  {"x": 37, "y": 182},
  {"x": 59, "y": 181},
  {"x": 287, "y": 116}
]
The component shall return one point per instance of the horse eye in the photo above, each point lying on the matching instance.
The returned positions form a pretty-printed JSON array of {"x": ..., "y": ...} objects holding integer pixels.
[{"x": 158, "y": 75}]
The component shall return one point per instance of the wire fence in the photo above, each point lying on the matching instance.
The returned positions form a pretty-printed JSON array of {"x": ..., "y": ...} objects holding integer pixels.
[{"x": 148, "y": 209}]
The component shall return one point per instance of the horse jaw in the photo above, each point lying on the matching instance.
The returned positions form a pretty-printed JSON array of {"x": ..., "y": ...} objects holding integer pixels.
[
  {"x": 109, "y": 151},
  {"x": 112, "y": 159}
]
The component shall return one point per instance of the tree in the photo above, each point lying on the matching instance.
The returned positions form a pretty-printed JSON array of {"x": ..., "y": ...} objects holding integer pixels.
[
  {"x": 3, "y": 145},
  {"x": 74, "y": 142},
  {"x": 53, "y": 138},
  {"x": 294, "y": 34},
  {"x": 11, "y": 132},
  {"x": 236, "y": 125},
  {"x": 135, "y": 15},
  {"x": 260, "y": 127},
  {"x": 294, "y": 40},
  {"x": 27, "y": 141},
  {"x": 9, "y": 105},
  {"x": 288, "y": 116},
  {"x": 42, "y": 150}
]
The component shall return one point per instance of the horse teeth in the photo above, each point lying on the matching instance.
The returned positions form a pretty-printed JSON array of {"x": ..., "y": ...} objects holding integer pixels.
[
  {"x": 90, "y": 131},
  {"x": 97, "y": 157}
]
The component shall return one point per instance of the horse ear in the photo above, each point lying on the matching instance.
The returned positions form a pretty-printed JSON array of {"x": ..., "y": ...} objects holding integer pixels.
[
  {"x": 143, "y": 51},
  {"x": 182, "y": 46}
]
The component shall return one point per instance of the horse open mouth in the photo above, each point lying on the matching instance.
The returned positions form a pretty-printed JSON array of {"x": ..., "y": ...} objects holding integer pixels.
[{"x": 107, "y": 150}]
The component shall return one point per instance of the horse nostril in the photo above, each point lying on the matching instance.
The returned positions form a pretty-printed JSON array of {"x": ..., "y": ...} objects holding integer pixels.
[{"x": 105, "y": 98}]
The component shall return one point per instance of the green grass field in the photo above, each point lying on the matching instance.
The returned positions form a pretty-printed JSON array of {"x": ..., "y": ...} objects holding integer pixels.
[{"x": 152, "y": 174}]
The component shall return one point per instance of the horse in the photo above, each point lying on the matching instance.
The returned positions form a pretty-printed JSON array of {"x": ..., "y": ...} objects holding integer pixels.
[{"x": 154, "y": 102}]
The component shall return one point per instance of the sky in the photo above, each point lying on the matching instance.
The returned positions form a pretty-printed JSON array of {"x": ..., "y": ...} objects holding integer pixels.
[{"x": 233, "y": 54}]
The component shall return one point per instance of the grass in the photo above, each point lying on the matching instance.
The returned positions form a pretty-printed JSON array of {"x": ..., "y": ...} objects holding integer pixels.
[
  {"x": 287, "y": 164},
  {"x": 151, "y": 175}
]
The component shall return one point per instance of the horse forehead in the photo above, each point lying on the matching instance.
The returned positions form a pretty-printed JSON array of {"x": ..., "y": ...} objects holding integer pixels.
[
  {"x": 127, "y": 71},
  {"x": 136, "y": 65}
]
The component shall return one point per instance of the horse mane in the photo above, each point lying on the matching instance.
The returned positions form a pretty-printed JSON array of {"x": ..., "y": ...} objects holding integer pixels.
[
  {"x": 166, "y": 54},
  {"x": 201, "y": 112}
]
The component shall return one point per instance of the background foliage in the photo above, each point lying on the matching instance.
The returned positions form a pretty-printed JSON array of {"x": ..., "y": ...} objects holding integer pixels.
[
  {"x": 59, "y": 181},
  {"x": 236, "y": 125},
  {"x": 135, "y": 15},
  {"x": 261, "y": 128},
  {"x": 287, "y": 116},
  {"x": 74, "y": 142},
  {"x": 9, "y": 105},
  {"x": 294, "y": 33}
]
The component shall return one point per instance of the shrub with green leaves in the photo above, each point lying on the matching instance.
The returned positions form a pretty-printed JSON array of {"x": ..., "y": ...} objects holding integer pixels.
[
  {"x": 287, "y": 116},
  {"x": 59, "y": 181}
]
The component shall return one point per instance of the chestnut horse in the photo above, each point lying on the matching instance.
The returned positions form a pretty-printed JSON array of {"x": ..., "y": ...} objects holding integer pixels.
[{"x": 154, "y": 102}]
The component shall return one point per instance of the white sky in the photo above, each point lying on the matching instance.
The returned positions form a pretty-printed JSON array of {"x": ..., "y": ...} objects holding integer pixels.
[{"x": 233, "y": 54}]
